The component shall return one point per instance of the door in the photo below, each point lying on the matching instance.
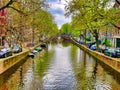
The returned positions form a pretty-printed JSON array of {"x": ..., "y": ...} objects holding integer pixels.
[{"x": 117, "y": 42}]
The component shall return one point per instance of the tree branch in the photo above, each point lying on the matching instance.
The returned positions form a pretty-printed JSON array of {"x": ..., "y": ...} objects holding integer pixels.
[
  {"x": 118, "y": 1},
  {"x": 17, "y": 10},
  {"x": 7, "y": 5},
  {"x": 116, "y": 26}
]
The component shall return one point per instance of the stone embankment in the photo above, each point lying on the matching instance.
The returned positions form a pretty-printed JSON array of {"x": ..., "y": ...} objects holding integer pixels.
[
  {"x": 114, "y": 63},
  {"x": 6, "y": 63}
]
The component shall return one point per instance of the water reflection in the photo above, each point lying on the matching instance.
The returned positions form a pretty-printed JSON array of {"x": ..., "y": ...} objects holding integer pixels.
[
  {"x": 8, "y": 81},
  {"x": 60, "y": 74},
  {"x": 60, "y": 67},
  {"x": 90, "y": 74}
]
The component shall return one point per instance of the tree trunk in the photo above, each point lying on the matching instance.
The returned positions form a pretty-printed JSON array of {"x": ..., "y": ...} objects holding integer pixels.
[
  {"x": 85, "y": 37},
  {"x": 33, "y": 36},
  {"x": 96, "y": 39}
]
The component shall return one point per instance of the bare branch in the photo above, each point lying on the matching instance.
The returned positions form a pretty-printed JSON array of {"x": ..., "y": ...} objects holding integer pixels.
[
  {"x": 7, "y": 5},
  {"x": 118, "y": 1},
  {"x": 17, "y": 10}
]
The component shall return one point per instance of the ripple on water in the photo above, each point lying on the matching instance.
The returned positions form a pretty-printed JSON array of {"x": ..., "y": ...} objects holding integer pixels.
[
  {"x": 60, "y": 75},
  {"x": 58, "y": 69},
  {"x": 59, "y": 81}
]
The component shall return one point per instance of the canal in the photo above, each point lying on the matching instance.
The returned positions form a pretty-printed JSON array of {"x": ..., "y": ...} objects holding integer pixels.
[{"x": 61, "y": 66}]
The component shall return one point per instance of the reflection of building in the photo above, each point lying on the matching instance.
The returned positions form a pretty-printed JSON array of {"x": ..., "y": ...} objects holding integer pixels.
[
  {"x": 3, "y": 17},
  {"x": 3, "y": 21},
  {"x": 116, "y": 37}
]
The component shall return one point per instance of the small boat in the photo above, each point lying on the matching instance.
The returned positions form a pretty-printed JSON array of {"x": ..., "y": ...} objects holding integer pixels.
[
  {"x": 39, "y": 48},
  {"x": 34, "y": 51},
  {"x": 43, "y": 44},
  {"x": 32, "y": 55}
]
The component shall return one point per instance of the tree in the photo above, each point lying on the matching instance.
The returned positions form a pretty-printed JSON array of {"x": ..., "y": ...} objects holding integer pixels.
[
  {"x": 66, "y": 28},
  {"x": 17, "y": 12},
  {"x": 42, "y": 23},
  {"x": 118, "y": 1},
  {"x": 93, "y": 15},
  {"x": 24, "y": 3},
  {"x": 28, "y": 19}
]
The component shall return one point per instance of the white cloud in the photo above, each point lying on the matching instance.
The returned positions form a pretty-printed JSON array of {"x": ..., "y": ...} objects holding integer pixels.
[
  {"x": 61, "y": 19},
  {"x": 60, "y": 6},
  {"x": 58, "y": 11}
]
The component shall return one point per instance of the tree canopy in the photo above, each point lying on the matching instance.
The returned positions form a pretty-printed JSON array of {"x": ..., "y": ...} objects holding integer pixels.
[
  {"x": 25, "y": 17},
  {"x": 92, "y": 15}
]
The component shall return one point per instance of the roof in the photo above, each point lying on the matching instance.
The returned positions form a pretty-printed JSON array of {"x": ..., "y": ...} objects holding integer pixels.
[
  {"x": 116, "y": 5},
  {"x": 117, "y": 25}
]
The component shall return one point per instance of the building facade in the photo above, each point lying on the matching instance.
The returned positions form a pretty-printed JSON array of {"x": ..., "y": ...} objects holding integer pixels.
[
  {"x": 3, "y": 23},
  {"x": 116, "y": 36}
]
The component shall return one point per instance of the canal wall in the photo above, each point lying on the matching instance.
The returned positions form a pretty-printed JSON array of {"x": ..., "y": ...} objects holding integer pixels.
[
  {"x": 114, "y": 63},
  {"x": 6, "y": 63}
]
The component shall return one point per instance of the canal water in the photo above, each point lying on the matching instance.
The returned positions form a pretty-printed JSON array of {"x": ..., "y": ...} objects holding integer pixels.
[{"x": 61, "y": 66}]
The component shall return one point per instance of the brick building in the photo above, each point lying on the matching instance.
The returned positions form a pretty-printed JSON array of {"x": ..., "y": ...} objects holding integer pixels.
[
  {"x": 116, "y": 37},
  {"x": 3, "y": 22}
]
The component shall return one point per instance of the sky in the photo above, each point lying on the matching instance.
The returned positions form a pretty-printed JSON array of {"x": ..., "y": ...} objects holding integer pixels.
[{"x": 58, "y": 11}]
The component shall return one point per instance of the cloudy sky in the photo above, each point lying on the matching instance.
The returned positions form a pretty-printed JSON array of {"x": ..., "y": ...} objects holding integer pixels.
[{"x": 58, "y": 11}]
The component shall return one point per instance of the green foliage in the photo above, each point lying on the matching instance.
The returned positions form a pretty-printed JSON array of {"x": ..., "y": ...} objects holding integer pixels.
[
  {"x": 88, "y": 38},
  {"x": 75, "y": 31},
  {"x": 42, "y": 63},
  {"x": 107, "y": 42},
  {"x": 66, "y": 28},
  {"x": 26, "y": 15},
  {"x": 42, "y": 23},
  {"x": 92, "y": 15}
]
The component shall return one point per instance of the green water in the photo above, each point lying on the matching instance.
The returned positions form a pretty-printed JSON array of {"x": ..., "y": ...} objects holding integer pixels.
[{"x": 61, "y": 66}]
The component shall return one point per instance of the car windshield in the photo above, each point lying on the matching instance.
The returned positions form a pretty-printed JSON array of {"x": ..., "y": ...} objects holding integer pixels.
[
  {"x": 4, "y": 49},
  {"x": 117, "y": 50},
  {"x": 111, "y": 50},
  {"x": 15, "y": 47}
]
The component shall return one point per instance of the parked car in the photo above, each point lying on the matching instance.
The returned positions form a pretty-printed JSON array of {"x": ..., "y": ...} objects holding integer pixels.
[
  {"x": 29, "y": 44},
  {"x": 5, "y": 52},
  {"x": 16, "y": 49},
  {"x": 102, "y": 48},
  {"x": 89, "y": 44},
  {"x": 113, "y": 53},
  {"x": 81, "y": 42},
  {"x": 93, "y": 47},
  {"x": 34, "y": 43}
]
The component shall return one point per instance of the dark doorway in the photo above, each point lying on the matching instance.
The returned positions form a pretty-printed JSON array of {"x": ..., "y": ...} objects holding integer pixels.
[{"x": 117, "y": 42}]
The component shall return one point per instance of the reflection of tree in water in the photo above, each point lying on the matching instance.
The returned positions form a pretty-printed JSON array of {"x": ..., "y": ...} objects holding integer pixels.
[
  {"x": 79, "y": 68},
  {"x": 86, "y": 72},
  {"x": 80, "y": 75},
  {"x": 91, "y": 74},
  {"x": 84, "y": 83},
  {"x": 21, "y": 79},
  {"x": 102, "y": 76},
  {"x": 94, "y": 72},
  {"x": 65, "y": 44},
  {"x": 7, "y": 75},
  {"x": 42, "y": 63},
  {"x": 74, "y": 52},
  {"x": 4, "y": 87},
  {"x": 114, "y": 75}
]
